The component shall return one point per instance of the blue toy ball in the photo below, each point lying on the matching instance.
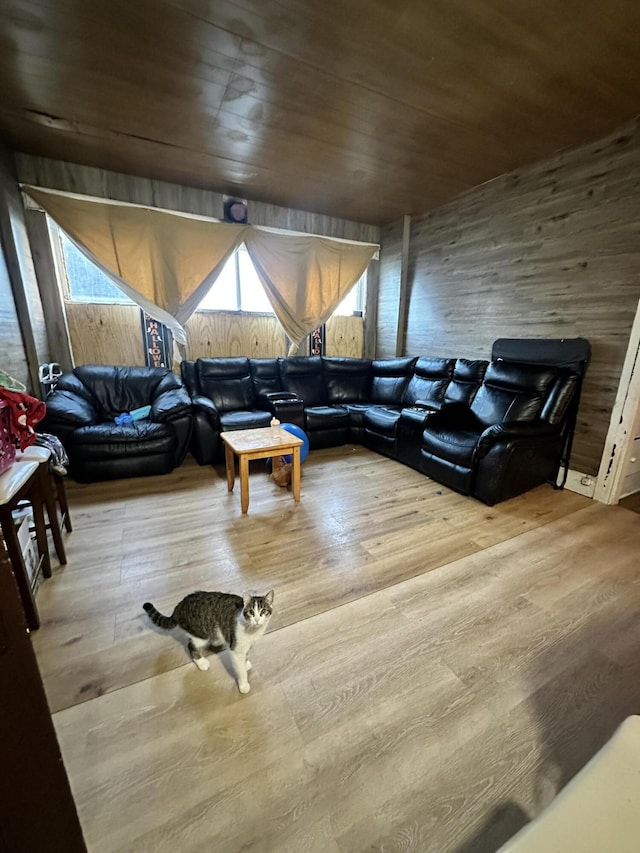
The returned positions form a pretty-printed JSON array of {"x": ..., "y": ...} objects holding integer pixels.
[
  {"x": 300, "y": 433},
  {"x": 304, "y": 448}
]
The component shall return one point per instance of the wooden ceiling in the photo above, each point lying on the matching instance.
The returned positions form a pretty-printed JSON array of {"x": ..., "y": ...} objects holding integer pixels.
[{"x": 362, "y": 109}]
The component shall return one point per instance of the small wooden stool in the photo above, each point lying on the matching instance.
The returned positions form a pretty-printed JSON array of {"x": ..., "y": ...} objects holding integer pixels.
[{"x": 23, "y": 482}]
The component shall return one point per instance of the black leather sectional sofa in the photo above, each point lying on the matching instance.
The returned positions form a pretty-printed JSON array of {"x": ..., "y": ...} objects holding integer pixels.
[{"x": 490, "y": 429}]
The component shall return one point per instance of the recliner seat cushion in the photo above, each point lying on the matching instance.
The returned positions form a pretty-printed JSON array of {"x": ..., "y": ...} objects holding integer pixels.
[
  {"x": 456, "y": 446},
  {"x": 382, "y": 420},
  {"x": 325, "y": 417},
  {"x": 108, "y": 440}
]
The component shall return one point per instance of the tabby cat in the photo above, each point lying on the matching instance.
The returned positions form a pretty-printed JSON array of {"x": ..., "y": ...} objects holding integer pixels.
[{"x": 220, "y": 619}]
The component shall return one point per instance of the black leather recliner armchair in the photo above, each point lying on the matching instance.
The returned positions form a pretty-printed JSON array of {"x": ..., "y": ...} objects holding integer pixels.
[
  {"x": 507, "y": 439},
  {"x": 81, "y": 412}
]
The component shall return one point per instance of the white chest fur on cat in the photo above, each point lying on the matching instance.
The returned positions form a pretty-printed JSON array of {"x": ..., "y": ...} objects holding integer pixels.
[{"x": 220, "y": 619}]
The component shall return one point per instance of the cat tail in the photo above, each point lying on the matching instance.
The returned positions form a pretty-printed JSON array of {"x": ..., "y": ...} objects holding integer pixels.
[{"x": 164, "y": 622}]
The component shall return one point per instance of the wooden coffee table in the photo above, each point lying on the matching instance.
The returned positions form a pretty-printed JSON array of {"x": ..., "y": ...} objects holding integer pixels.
[{"x": 261, "y": 443}]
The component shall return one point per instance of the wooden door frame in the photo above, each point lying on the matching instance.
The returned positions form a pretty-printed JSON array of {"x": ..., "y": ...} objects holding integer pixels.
[{"x": 620, "y": 435}]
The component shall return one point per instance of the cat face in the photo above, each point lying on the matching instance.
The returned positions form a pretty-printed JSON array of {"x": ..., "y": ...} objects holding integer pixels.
[{"x": 258, "y": 609}]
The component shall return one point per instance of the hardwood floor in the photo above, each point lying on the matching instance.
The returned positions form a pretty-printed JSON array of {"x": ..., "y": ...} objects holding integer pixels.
[{"x": 435, "y": 670}]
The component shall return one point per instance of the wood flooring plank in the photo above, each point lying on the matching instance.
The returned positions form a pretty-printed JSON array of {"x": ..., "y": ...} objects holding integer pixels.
[{"x": 434, "y": 669}]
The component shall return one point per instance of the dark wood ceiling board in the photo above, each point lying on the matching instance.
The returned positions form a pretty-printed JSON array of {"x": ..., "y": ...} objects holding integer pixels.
[
  {"x": 450, "y": 59},
  {"x": 152, "y": 159},
  {"x": 393, "y": 107},
  {"x": 397, "y": 130}
]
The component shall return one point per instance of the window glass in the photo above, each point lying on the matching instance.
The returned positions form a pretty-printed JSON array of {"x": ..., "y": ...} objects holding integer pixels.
[
  {"x": 86, "y": 282},
  {"x": 354, "y": 300},
  {"x": 252, "y": 293},
  {"x": 237, "y": 288},
  {"x": 223, "y": 295}
]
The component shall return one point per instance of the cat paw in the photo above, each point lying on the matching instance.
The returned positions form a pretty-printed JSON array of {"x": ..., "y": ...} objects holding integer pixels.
[
  {"x": 244, "y": 688},
  {"x": 249, "y": 665},
  {"x": 202, "y": 664}
]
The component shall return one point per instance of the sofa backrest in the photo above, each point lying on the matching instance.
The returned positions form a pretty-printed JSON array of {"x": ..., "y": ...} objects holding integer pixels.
[
  {"x": 265, "y": 375},
  {"x": 347, "y": 380},
  {"x": 114, "y": 390},
  {"x": 303, "y": 376},
  {"x": 226, "y": 382},
  {"x": 190, "y": 377},
  {"x": 512, "y": 391},
  {"x": 390, "y": 379},
  {"x": 431, "y": 377},
  {"x": 467, "y": 378}
]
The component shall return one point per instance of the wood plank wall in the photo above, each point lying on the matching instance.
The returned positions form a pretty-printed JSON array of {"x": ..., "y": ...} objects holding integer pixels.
[
  {"x": 23, "y": 334},
  {"x": 552, "y": 250},
  {"x": 111, "y": 334},
  {"x": 56, "y": 174},
  {"x": 105, "y": 334},
  {"x": 12, "y": 355},
  {"x": 389, "y": 289}
]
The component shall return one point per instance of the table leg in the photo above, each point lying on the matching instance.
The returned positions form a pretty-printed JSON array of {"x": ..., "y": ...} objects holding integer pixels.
[
  {"x": 295, "y": 473},
  {"x": 19, "y": 568},
  {"x": 37, "y": 505},
  {"x": 244, "y": 482},
  {"x": 231, "y": 466},
  {"x": 48, "y": 496}
]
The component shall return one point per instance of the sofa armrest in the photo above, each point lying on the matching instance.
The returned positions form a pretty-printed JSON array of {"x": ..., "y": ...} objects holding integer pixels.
[
  {"x": 207, "y": 407},
  {"x": 513, "y": 430},
  {"x": 70, "y": 410},
  {"x": 423, "y": 404},
  {"x": 170, "y": 405},
  {"x": 454, "y": 416},
  {"x": 266, "y": 400}
]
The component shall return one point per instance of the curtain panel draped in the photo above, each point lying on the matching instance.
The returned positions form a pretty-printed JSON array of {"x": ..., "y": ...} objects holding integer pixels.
[
  {"x": 166, "y": 262},
  {"x": 305, "y": 276}
]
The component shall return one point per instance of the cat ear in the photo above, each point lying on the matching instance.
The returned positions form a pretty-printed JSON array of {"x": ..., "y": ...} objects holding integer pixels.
[
  {"x": 269, "y": 597},
  {"x": 246, "y": 597}
]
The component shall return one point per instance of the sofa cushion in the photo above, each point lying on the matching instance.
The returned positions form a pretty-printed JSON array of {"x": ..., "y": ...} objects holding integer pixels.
[
  {"x": 265, "y": 375},
  {"x": 456, "y": 446},
  {"x": 430, "y": 379},
  {"x": 325, "y": 417},
  {"x": 347, "y": 380},
  {"x": 304, "y": 377},
  {"x": 107, "y": 440},
  {"x": 382, "y": 420},
  {"x": 465, "y": 381},
  {"x": 226, "y": 382},
  {"x": 121, "y": 389},
  {"x": 390, "y": 380},
  {"x": 512, "y": 392}
]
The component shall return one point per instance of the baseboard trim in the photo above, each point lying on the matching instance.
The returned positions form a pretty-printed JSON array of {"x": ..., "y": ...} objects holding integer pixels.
[{"x": 583, "y": 484}]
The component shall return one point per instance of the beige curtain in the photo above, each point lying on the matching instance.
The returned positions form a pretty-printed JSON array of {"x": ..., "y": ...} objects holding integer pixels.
[
  {"x": 165, "y": 262},
  {"x": 305, "y": 276}
]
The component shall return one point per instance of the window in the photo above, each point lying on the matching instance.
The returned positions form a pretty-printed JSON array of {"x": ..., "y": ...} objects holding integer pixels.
[
  {"x": 84, "y": 281},
  {"x": 237, "y": 288}
]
